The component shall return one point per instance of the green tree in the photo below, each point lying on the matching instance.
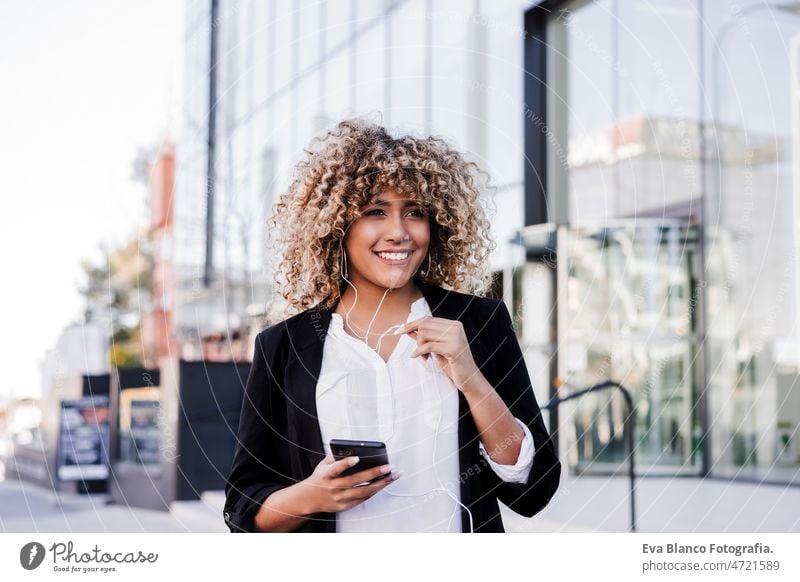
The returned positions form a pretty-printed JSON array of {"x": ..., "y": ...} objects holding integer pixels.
[{"x": 117, "y": 292}]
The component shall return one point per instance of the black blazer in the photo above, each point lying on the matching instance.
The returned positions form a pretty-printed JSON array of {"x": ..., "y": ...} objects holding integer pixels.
[{"x": 279, "y": 440}]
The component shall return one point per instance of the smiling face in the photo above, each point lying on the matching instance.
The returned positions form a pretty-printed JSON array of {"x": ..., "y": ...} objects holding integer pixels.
[{"x": 391, "y": 222}]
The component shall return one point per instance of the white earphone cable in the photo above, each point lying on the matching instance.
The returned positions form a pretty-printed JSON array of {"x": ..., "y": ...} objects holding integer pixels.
[
  {"x": 441, "y": 404},
  {"x": 438, "y": 479}
]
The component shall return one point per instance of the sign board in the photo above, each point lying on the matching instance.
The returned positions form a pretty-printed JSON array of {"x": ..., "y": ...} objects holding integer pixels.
[
  {"x": 142, "y": 444},
  {"x": 83, "y": 439}
]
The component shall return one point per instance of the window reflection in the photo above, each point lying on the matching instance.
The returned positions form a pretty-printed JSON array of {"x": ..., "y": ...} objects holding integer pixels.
[
  {"x": 639, "y": 122},
  {"x": 628, "y": 320}
]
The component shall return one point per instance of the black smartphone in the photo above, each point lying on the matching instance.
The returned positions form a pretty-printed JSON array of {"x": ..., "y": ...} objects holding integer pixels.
[{"x": 370, "y": 454}]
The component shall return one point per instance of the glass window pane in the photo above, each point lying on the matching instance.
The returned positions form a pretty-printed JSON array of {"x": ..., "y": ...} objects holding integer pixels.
[
  {"x": 503, "y": 91},
  {"x": 450, "y": 76},
  {"x": 657, "y": 132},
  {"x": 407, "y": 98},
  {"x": 336, "y": 105},
  {"x": 283, "y": 45},
  {"x": 580, "y": 83},
  {"x": 370, "y": 73},
  {"x": 337, "y": 24},
  {"x": 752, "y": 234},
  {"x": 308, "y": 41}
]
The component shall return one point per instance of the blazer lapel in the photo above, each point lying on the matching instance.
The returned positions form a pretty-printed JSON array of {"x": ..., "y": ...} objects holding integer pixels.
[{"x": 306, "y": 340}]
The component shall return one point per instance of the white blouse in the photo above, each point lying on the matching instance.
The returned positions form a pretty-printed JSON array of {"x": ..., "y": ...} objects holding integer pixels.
[{"x": 400, "y": 402}]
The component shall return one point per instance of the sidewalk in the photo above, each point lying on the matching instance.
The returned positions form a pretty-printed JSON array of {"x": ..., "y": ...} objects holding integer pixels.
[
  {"x": 664, "y": 504},
  {"x": 585, "y": 504},
  {"x": 29, "y": 508}
]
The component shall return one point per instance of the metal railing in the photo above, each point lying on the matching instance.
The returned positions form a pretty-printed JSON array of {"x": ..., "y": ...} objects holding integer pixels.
[{"x": 627, "y": 429}]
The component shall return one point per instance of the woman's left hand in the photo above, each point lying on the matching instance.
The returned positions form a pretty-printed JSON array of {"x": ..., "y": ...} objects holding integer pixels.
[{"x": 446, "y": 340}]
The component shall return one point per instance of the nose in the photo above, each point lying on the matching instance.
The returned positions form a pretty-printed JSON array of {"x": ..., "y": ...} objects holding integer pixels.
[{"x": 396, "y": 229}]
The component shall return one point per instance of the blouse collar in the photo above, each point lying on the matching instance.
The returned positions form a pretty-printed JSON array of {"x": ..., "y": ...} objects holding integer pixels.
[
  {"x": 308, "y": 328},
  {"x": 419, "y": 308}
]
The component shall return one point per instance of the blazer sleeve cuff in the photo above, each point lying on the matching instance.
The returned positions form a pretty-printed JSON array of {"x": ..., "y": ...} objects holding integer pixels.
[
  {"x": 240, "y": 516},
  {"x": 519, "y": 472}
]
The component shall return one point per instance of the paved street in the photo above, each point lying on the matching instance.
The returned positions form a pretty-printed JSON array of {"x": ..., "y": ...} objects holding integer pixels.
[
  {"x": 30, "y": 508},
  {"x": 586, "y": 504}
]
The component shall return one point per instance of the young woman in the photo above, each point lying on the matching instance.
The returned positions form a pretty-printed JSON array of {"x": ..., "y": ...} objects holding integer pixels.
[{"x": 384, "y": 245}]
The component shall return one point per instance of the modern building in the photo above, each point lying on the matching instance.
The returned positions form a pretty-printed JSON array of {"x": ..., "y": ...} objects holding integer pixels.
[{"x": 645, "y": 158}]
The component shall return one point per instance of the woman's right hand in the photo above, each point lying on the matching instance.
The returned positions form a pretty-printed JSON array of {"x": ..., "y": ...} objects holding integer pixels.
[{"x": 327, "y": 491}]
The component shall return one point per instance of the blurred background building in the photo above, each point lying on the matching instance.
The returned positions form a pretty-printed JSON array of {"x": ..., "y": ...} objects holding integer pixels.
[
  {"x": 157, "y": 321},
  {"x": 645, "y": 157}
]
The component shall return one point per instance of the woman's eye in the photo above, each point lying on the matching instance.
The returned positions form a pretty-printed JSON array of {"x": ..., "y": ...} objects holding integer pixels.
[{"x": 417, "y": 212}]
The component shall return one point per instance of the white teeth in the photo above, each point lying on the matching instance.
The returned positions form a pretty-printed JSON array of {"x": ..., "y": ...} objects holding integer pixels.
[{"x": 394, "y": 256}]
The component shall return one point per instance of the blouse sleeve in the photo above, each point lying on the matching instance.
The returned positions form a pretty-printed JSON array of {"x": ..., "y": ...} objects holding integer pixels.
[
  {"x": 258, "y": 468},
  {"x": 518, "y": 472}
]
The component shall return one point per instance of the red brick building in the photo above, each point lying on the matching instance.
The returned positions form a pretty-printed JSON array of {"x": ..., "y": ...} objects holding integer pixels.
[{"x": 157, "y": 324}]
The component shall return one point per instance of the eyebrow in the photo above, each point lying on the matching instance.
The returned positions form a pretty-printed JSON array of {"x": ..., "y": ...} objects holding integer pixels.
[{"x": 380, "y": 202}]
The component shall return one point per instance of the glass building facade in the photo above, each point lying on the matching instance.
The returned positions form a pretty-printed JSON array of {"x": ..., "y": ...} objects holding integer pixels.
[{"x": 645, "y": 160}]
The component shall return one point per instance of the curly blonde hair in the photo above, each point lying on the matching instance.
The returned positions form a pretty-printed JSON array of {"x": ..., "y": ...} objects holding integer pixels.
[{"x": 341, "y": 172}]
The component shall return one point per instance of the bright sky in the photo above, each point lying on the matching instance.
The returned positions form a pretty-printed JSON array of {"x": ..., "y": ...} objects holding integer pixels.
[{"x": 85, "y": 83}]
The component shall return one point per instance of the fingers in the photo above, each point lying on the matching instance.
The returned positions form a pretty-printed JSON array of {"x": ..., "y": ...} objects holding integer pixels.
[
  {"x": 412, "y": 325},
  {"x": 428, "y": 339},
  {"x": 366, "y": 475},
  {"x": 427, "y": 347},
  {"x": 360, "y": 494},
  {"x": 436, "y": 333},
  {"x": 428, "y": 322},
  {"x": 338, "y": 467},
  {"x": 367, "y": 491},
  {"x": 347, "y": 491}
]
